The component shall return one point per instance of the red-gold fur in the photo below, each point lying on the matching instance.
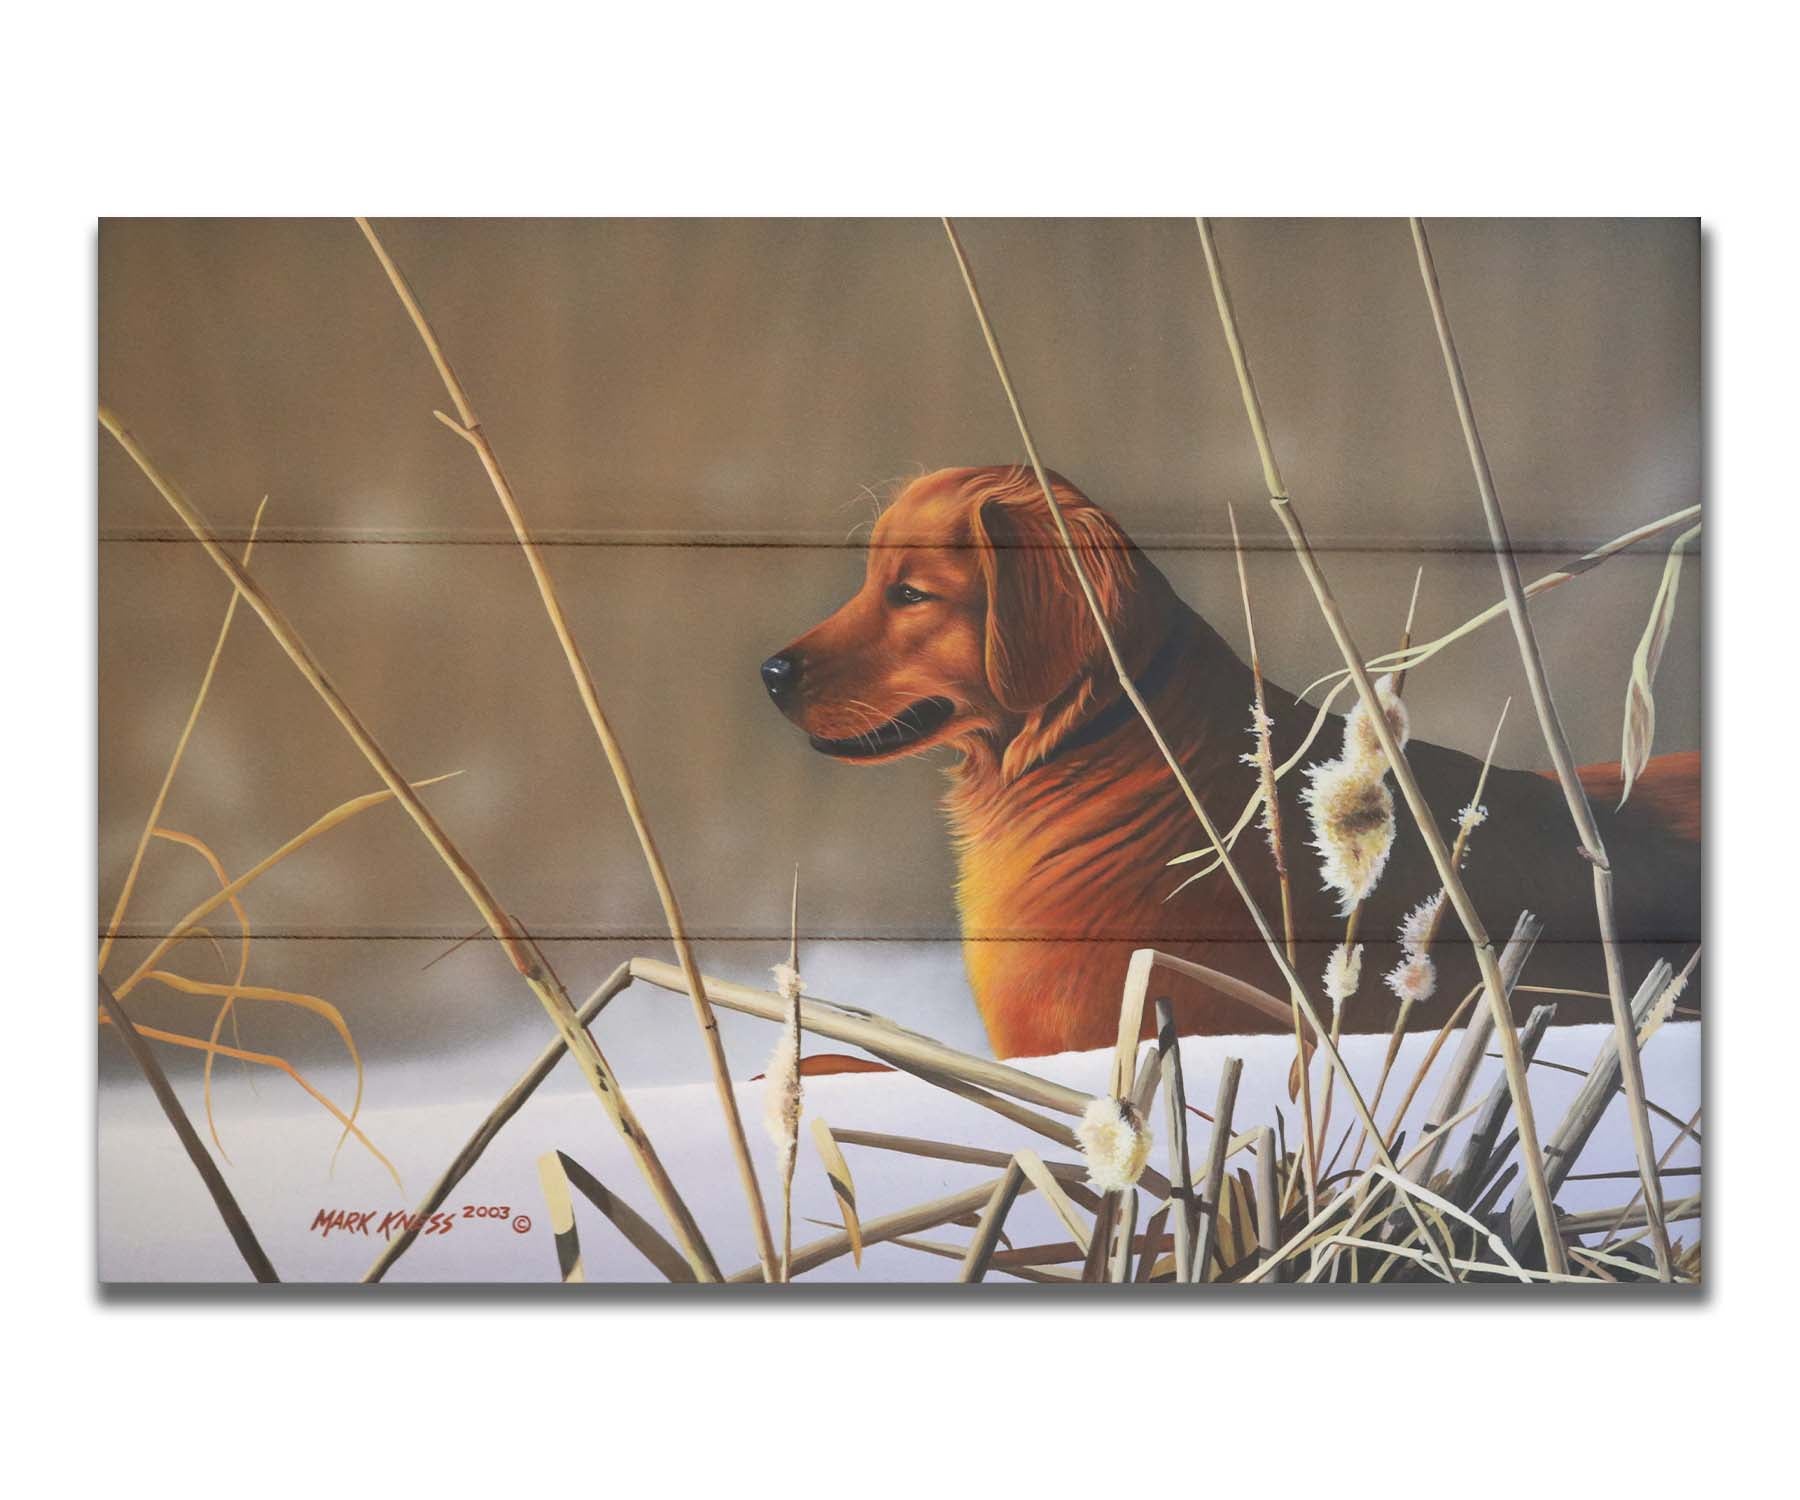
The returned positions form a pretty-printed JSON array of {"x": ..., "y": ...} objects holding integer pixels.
[{"x": 1065, "y": 815}]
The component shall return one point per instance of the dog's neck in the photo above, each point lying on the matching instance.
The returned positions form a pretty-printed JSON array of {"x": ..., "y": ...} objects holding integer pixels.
[{"x": 1186, "y": 677}]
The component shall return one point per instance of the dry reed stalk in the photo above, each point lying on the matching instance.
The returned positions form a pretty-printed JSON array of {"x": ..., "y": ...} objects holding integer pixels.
[
  {"x": 1129, "y": 688},
  {"x": 1403, "y": 776},
  {"x": 1215, "y": 1169},
  {"x": 1268, "y": 1205},
  {"x": 511, "y": 1102},
  {"x": 1265, "y": 770},
  {"x": 1595, "y": 1094},
  {"x": 1470, "y": 1172},
  {"x": 891, "y": 1226},
  {"x": 1556, "y": 740},
  {"x": 1181, "y": 1193},
  {"x": 1467, "y": 1060},
  {"x": 466, "y": 426},
  {"x": 1126, "y": 1226},
  {"x": 823, "y": 1018},
  {"x": 242, "y": 1235},
  {"x": 1592, "y": 1220},
  {"x": 993, "y": 1221},
  {"x": 1069, "y": 1174},
  {"x": 1153, "y": 1241},
  {"x": 1663, "y": 1169},
  {"x": 548, "y": 992},
  {"x": 187, "y": 730}
]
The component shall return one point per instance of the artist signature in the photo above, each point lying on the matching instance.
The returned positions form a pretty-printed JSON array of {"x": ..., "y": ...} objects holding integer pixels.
[{"x": 385, "y": 1224}]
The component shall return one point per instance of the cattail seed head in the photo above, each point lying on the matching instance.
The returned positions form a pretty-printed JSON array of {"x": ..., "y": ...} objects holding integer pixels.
[
  {"x": 1414, "y": 979},
  {"x": 1115, "y": 1143},
  {"x": 1352, "y": 813},
  {"x": 1343, "y": 973},
  {"x": 783, "y": 1103},
  {"x": 1416, "y": 931},
  {"x": 1360, "y": 740}
]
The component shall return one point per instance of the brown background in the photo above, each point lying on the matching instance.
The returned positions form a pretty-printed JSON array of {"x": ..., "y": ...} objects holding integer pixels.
[{"x": 697, "y": 412}]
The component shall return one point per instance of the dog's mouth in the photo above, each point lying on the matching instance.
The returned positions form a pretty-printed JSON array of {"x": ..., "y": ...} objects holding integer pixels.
[{"x": 908, "y": 728}]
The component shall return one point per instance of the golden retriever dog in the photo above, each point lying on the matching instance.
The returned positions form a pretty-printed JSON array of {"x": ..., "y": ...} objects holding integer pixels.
[{"x": 970, "y": 633}]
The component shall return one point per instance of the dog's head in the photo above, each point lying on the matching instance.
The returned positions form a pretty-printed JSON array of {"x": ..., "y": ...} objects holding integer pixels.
[{"x": 970, "y": 623}]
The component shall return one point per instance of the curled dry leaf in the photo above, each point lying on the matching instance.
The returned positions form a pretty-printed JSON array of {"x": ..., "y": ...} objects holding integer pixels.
[
  {"x": 837, "y": 1170},
  {"x": 1640, "y": 701}
]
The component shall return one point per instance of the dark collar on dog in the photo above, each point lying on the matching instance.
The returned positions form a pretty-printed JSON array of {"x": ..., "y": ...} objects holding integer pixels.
[{"x": 1149, "y": 683}]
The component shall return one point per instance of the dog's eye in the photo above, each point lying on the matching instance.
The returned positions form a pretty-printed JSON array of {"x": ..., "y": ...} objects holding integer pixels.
[{"x": 905, "y": 593}]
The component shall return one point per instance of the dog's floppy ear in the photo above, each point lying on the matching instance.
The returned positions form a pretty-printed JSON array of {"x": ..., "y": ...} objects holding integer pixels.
[{"x": 1041, "y": 637}]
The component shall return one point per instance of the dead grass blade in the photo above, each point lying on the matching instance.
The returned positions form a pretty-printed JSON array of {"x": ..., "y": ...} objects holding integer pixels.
[
  {"x": 843, "y": 1186},
  {"x": 162, "y": 792},
  {"x": 280, "y": 1065},
  {"x": 226, "y": 894},
  {"x": 1640, "y": 698},
  {"x": 561, "y": 1206},
  {"x": 242, "y": 1235},
  {"x": 225, "y": 1011},
  {"x": 639, "y": 1233}
]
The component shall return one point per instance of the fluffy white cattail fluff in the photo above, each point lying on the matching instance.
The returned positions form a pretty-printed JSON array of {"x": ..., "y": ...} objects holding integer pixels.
[
  {"x": 1352, "y": 813},
  {"x": 1360, "y": 739},
  {"x": 1414, "y": 978},
  {"x": 1421, "y": 921},
  {"x": 1114, "y": 1143},
  {"x": 1262, "y": 757},
  {"x": 781, "y": 1098},
  {"x": 1343, "y": 972},
  {"x": 1351, "y": 808}
]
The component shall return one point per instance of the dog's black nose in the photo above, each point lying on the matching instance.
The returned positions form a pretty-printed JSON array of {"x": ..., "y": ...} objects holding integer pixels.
[{"x": 779, "y": 674}]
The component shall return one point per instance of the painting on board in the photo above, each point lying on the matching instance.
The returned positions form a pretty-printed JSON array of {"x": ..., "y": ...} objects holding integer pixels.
[{"x": 1160, "y": 752}]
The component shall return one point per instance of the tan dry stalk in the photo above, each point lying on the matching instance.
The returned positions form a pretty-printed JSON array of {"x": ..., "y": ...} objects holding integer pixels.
[
  {"x": 823, "y": 1019},
  {"x": 993, "y": 1221},
  {"x": 1215, "y": 1169},
  {"x": 1556, "y": 740},
  {"x": 1265, "y": 769},
  {"x": 1129, "y": 688},
  {"x": 242, "y": 1235},
  {"x": 891, "y": 1226},
  {"x": 162, "y": 792},
  {"x": 511, "y": 1102},
  {"x": 469, "y": 428},
  {"x": 1181, "y": 1172},
  {"x": 1662, "y": 1162},
  {"x": 1403, "y": 776},
  {"x": 544, "y": 986}
]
